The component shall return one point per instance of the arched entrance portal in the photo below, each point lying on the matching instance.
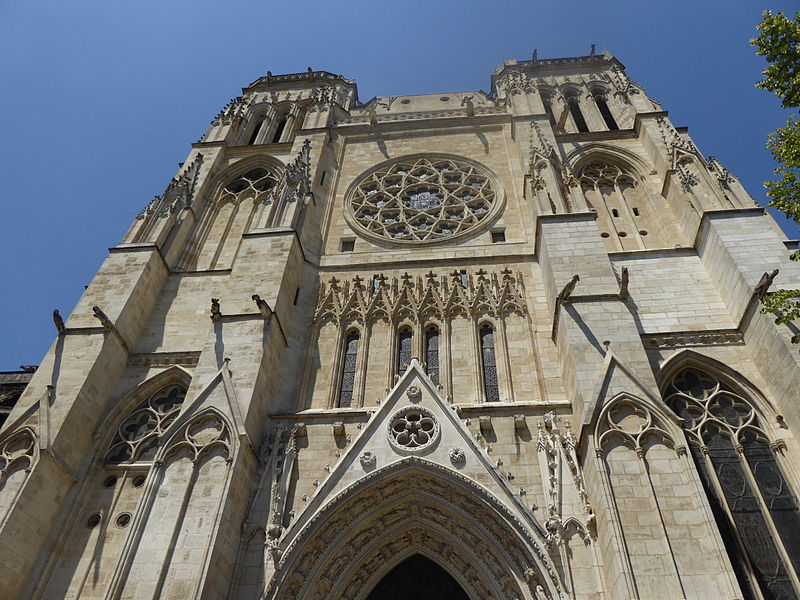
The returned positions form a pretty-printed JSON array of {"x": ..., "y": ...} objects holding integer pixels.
[
  {"x": 412, "y": 508},
  {"x": 419, "y": 578}
]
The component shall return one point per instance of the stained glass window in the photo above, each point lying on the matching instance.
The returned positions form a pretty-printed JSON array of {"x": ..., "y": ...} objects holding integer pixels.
[
  {"x": 348, "y": 370},
  {"x": 404, "y": 339},
  {"x": 730, "y": 450},
  {"x": 489, "y": 364},
  {"x": 432, "y": 353}
]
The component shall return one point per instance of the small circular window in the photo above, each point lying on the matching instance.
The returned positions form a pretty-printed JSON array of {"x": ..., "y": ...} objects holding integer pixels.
[
  {"x": 123, "y": 520},
  {"x": 94, "y": 520},
  {"x": 420, "y": 199},
  {"x": 413, "y": 428}
]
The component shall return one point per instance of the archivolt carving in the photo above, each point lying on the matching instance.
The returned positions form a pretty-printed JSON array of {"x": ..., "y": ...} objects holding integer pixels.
[
  {"x": 633, "y": 422},
  {"x": 435, "y": 296},
  {"x": 384, "y": 502},
  {"x": 202, "y": 434},
  {"x": 20, "y": 448}
]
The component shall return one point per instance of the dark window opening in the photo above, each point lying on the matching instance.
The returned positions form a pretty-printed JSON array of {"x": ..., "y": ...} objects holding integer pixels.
[
  {"x": 296, "y": 296},
  {"x": 489, "y": 364},
  {"x": 322, "y": 179},
  {"x": 348, "y": 245},
  {"x": 602, "y": 105},
  {"x": 432, "y": 353},
  {"x": 430, "y": 582},
  {"x": 404, "y": 340},
  {"x": 462, "y": 275},
  {"x": 548, "y": 108},
  {"x": 256, "y": 130},
  {"x": 276, "y": 138},
  {"x": 635, "y": 212},
  {"x": 348, "y": 370},
  {"x": 498, "y": 236},
  {"x": 754, "y": 507},
  {"x": 615, "y": 212},
  {"x": 577, "y": 115}
]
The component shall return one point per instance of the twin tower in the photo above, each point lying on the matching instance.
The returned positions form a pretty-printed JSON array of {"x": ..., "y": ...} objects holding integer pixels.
[{"x": 467, "y": 345}]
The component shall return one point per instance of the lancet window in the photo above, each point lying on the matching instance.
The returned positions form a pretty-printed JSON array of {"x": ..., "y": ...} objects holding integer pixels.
[
  {"x": 256, "y": 130},
  {"x": 620, "y": 204},
  {"x": 547, "y": 101},
  {"x": 236, "y": 208},
  {"x": 755, "y": 508},
  {"x": 574, "y": 104},
  {"x": 432, "y": 352},
  {"x": 279, "y": 128},
  {"x": 404, "y": 341},
  {"x": 137, "y": 438},
  {"x": 599, "y": 96},
  {"x": 489, "y": 363},
  {"x": 347, "y": 384}
]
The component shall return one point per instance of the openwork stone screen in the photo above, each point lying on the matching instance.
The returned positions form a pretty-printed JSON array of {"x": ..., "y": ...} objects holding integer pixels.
[
  {"x": 255, "y": 182},
  {"x": 422, "y": 200},
  {"x": 413, "y": 428},
  {"x": 137, "y": 437}
]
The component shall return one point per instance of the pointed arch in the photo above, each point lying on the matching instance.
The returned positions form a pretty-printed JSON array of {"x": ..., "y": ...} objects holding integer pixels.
[
  {"x": 688, "y": 358},
  {"x": 237, "y": 199},
  {"x": 635, "y": 420},
  {"x": 397, "y": 510},
  {"x": 174, "y": 375},
  {"x": 199, "y": 434},
  {"x": 741, "y": 469}
]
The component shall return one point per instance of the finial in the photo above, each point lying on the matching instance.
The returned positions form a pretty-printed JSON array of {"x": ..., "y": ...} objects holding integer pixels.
[
  {"x": 594, "y": 46},
  {"x": 535, "y": 55}
]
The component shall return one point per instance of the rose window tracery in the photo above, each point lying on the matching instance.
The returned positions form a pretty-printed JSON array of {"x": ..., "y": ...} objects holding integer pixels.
[
  {"x": 413, "y": 428},
  {"x": 422, "y": 200},
  {"x": 137, "y": 437}
]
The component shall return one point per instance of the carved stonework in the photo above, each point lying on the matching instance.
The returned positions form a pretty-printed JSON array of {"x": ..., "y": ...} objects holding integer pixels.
[
  {"x": 413, "y": 428},
  {"x": 516, "y": 82},
  {"x": 179, "y": 193},
  {"x": 440, "y": 296},
  {"x": 19, "y": 450},
  {"x": 384, "y": 515}
]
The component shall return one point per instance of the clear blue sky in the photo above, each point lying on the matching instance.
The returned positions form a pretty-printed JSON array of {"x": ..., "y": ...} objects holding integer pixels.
[{"x": 102, "y": 99}]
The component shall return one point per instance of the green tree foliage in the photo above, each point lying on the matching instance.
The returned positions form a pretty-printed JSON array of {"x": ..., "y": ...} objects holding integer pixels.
[{"x": 779, "y": 42}]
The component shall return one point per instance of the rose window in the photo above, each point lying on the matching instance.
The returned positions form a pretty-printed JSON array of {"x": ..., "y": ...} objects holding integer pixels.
[
  {"x": 422, "y": 200},
  {"x": 413, "y": 428}
]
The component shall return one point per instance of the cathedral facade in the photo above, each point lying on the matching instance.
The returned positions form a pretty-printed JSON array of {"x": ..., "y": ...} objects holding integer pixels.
[{"x": 500, "y": 345}]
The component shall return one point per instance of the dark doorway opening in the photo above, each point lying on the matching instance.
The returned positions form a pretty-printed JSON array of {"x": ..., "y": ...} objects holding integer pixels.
[{"x": 419, "y": 578}]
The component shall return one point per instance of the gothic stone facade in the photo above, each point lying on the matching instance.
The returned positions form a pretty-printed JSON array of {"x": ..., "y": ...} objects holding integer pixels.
[{"x": 517, "y": 334}]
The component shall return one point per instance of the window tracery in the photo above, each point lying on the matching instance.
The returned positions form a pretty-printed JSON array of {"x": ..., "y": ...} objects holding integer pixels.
[
  {"x": 422, "y": 200},
  {"x": 404, "y": 341},
  {"x": 489, "y": 363},
  {"x": 744, "y": 483},
  {"x": 612, "y": 191},
  {"x": 432, "y": 352},
  {"x": 137, "y": 438},
  {"x": 413, "y": 428},
  {"x": 348, "y": 370}
]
